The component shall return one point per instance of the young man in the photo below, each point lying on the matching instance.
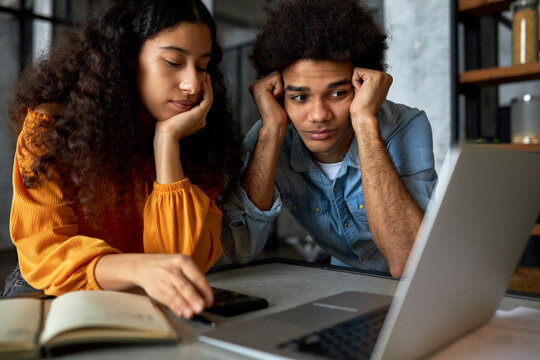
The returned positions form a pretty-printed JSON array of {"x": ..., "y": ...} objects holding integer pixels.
[{"x": 354, "y": 169}]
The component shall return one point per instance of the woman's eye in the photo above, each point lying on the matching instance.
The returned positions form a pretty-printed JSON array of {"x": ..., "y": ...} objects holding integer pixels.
[
  {"x": 171, "y": 63},
  {"x": 201, "y": 69}
]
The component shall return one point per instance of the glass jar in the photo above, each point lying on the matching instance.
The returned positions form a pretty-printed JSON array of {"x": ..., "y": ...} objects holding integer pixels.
[
  {"x": 525, "y": 31},
  {"x": 525, "y": 119}
]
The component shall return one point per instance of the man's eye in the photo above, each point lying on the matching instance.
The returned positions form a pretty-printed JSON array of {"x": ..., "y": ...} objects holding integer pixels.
[
  {"x": 338, "y": 93},
  {"x": 299, "y": 98}
]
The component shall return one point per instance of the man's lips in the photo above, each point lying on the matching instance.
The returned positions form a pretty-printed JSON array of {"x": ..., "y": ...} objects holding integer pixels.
[
  {"x": 182, "y": 105},
  {"x": 320, "y": 134}
]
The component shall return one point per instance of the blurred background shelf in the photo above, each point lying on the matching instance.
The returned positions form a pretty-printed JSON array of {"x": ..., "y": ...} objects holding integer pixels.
[
  {"x": 483, "y": 7},
  {"x": 500, "y": 75},
  {"x": 536, "y": 230}
]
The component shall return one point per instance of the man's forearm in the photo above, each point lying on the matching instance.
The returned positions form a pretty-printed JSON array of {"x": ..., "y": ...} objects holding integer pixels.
[
  {"x": 260, "y": 175},
  {"x": 393, "y": 215}
]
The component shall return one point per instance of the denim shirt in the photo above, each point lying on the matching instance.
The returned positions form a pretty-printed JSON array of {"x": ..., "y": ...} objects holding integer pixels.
[{"x": 332, "y": 211}]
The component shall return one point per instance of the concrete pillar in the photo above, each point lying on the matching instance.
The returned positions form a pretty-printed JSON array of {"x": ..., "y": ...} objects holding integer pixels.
[{"x": 419, "y": 60}]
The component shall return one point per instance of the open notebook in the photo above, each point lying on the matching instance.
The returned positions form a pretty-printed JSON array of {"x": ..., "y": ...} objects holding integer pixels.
[{"x": 470, "y": 241}]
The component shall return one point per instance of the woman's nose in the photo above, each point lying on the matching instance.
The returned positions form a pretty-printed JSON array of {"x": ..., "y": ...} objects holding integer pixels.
[{"x": 191, "y": 81}]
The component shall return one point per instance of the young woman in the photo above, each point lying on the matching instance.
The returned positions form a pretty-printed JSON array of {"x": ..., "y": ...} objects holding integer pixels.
[{"x": 124, "y": 142}]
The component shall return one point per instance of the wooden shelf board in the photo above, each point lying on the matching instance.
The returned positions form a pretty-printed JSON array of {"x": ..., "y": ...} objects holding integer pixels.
[
  {"x": 536, "y": 230},
  {"x": 526, "y": 278},
  {"x": 500, "y": 75},
  {"x": 483, "y": 7}
]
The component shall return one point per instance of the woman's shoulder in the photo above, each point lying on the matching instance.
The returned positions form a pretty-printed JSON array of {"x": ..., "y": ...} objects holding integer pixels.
[
  {"x": 49, "y": 110},
  {"x": 41, "y": 115},
  {"x": 38, "y": 119}
]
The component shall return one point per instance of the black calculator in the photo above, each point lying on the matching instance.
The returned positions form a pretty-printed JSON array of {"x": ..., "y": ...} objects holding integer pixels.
[{"x": 230, "y": 303}]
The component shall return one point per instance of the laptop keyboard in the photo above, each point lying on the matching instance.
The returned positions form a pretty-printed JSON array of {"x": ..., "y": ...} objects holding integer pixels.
[{"x": 351, "y": 339}]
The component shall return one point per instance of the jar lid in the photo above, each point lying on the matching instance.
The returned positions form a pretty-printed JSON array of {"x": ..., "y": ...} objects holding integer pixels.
[
  {"x": 526, "y": 98},
  {"x": 522, "y": 3}
]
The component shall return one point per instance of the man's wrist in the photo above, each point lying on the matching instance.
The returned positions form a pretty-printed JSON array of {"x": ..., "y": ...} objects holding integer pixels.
[
  {"x": 272, "y": 131},
  {"x": 365, "y": 124}
]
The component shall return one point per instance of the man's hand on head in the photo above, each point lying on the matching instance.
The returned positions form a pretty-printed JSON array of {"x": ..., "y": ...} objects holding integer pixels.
[
  {"x": 259, "y": 177},
  {"x": 266, "y": 92},
  {"x": 370, "y": 90}
]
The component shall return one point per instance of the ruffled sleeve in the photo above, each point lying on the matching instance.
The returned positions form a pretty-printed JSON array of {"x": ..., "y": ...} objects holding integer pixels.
[{"x": 181, "y": 218}]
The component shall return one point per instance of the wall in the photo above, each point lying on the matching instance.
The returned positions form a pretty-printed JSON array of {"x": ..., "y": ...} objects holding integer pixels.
[
  {"x": 419, "y": 61},
  {"x": 9, "y": 48}
]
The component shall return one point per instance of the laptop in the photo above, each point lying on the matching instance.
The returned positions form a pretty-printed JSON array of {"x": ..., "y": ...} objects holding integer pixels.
[{"x": 472, "y": 236}]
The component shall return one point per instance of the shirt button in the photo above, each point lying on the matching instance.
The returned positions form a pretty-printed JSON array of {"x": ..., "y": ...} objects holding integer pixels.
[
  {"x": 317, "y": 209},
  {"x": 345, "y": 224},
  {"x": 363, "y": 258},
  {"x": 361, "y": 206},
  {"x": 335, "y": 188},
  {"x": 294, "y": 208}
]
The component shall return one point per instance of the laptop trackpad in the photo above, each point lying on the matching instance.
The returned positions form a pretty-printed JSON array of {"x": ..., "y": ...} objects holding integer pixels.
[
  {"x": 312, "y": 316},
  {"x": 331, "y": 310}
]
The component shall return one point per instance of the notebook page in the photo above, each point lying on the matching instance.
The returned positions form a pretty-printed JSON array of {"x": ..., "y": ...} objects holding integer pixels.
[{"x": 103, "y": 309}]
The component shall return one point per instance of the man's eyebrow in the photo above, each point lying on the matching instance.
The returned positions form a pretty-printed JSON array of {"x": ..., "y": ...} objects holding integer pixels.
[
  {"x": 330, "y": 86},
  {"x": 296, "y": 88},
  {"x": 183, "y": 51},
  {"x": 339, "y": 83}
]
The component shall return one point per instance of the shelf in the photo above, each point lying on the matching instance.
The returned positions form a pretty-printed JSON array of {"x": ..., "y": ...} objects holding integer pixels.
[
  {"x": 483, "y": 7},
  {"x": 526, "y": 278},
  {"x": 468, "y": 13},
  {"x": 500, "y": 75},
  {"x": 536, "y": 230}
]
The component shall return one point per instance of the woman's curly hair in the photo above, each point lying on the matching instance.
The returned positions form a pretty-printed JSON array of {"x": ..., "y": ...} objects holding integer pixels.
[
  {"x": 97, "y": 143},
  {"x": 335, "y": 30}
]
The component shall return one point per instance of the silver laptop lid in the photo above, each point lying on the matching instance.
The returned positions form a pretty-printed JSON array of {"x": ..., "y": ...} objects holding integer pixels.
[{"x": 477, "y": 224}]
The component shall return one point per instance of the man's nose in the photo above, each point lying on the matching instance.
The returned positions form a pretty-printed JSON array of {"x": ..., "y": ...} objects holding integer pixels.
[{"x": 319, "y": 111}]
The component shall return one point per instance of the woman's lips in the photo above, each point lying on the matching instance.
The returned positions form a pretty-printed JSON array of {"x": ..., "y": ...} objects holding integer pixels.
[
  {"x": 182, "y": 105},
  {"x": 320, "y": 134}
]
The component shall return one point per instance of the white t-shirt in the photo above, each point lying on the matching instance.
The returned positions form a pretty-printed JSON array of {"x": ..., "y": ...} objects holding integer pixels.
[{"x": 330, "y": 170}]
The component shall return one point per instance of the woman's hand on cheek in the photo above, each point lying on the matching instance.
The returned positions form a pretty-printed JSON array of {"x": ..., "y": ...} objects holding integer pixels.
[{"x": 189, "y": 122}]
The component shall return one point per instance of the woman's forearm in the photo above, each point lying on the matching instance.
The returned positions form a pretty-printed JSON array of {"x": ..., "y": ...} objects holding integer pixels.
[
  {"x": 117, "y": 271},
  {"x": 167, "y": 158}
]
